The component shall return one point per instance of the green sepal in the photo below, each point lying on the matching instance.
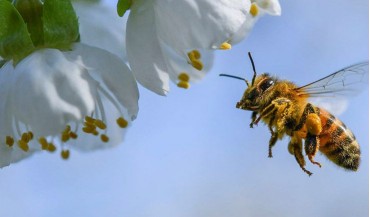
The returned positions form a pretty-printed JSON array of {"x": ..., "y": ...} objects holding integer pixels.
[
  {"x": 31, "y": 12},
  {"x": 60, "y": 24},
  {"x": 123, "y": 6},
  {"x": 15, "y": 41}
]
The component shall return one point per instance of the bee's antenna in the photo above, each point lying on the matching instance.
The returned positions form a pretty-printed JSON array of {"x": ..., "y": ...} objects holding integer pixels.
[
  {"x": 254, "y": 68},
  {"x": 233, "y": 76}
]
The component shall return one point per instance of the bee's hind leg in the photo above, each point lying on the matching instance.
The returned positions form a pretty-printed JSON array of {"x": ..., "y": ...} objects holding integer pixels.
[
  {"x": 311, "y": 146},
  {"x": 295, "y": 148}
]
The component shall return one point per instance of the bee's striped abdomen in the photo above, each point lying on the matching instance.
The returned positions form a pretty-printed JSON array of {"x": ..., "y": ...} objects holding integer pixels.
[{"x": 338, "y": 143}]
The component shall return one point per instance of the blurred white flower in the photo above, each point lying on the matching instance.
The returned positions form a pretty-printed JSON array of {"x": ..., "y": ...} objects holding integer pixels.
[
  {"x": 80, "y": 98},
  {"x": 171, "y": 40},
  {"x": 100, "y": 26}
]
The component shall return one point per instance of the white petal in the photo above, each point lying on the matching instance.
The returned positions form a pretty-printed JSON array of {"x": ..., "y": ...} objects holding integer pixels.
[
  {"x": 271, "y": 7},
  {"x": 245, "y": 29},
  {"x": 49, "y": 92},
  {"x": 144, "y": 52},
  {"x": 114, "y": 73},
  {"x": 202, "y": 24},
  {"x": 101, "y": 27}
]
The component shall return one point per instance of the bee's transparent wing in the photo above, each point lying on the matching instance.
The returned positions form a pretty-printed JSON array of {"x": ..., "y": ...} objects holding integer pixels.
[{"x": 346, "y": 81}]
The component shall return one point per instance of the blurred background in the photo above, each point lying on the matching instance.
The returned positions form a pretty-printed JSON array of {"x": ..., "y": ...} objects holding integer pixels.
[{"x": 192, "y": 153}]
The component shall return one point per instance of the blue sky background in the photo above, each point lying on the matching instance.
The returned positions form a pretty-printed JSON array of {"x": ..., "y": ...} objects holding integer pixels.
[{"x": 192, "y": 153}]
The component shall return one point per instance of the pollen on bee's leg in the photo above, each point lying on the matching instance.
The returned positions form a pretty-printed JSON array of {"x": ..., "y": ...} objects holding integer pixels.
[
  {"x": 44, "y": 143},
  {"x": 183, "y": 84},
  {"x": 9, "y": 141},
  {"x": 254, "y": 10},
  {"x": 122, "y": 122},
  {"x": 23, "y": 145},
  {"x": 64, "y": 154},
  {"x": 197, "y": 64},
  {"x": 104, "y": 138},
  {"x": 225, "y": 46}
]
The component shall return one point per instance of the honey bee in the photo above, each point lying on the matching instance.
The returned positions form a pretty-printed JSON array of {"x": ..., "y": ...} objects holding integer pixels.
[{"x": 285, "y": 109}]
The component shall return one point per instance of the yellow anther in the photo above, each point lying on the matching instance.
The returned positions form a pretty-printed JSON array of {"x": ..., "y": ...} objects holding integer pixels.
[
  {"x": 9, "y": 141},
  {"x": 25, "y": 137},
  {"x": 73, "y": 135},
  {"x": 89, "y": 129},
  {"x": 51, "y": 147},
  {"x": 183, "y": 84},
  {"x": 100, "y": 124},
  {"x": 44, "y": 143},
  {"x": 183, "y": 77},
  {"x": 254, "y": 9},
  {"x": 194, "y": 55},
  {"x": 225, "y": 46},
  {"x": 89, "y": 119},
  {"x": 104, "y": 138},
  {"x": 89, "y": 124},
  {"x": 197, "y": 64},
  {"x": 64, "y": 154},
  {"x": 30, "y": 135},
  {"x": 67, "y": 129},
  {"x": 65, "y": 136},
  {"x": 122, "y": 122},
  {"x": 23, "y": 145}
]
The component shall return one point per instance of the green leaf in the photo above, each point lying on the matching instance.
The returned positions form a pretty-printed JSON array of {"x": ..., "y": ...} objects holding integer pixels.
[
  {"x": 60, "y": 24},
  {"x": 15, "y": 41},
  {"x": 123, "y": 6}
]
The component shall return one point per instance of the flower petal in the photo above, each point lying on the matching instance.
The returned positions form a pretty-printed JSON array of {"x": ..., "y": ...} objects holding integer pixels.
[
  {"x": 272, "y": 7},
  {"x": 114, "y": 73},
  {"x": 58, "y": 90},
  {"x": 202, "y": 24},
  {"x": 101, "y": 27},
  {"x": 144, "y": 51}
]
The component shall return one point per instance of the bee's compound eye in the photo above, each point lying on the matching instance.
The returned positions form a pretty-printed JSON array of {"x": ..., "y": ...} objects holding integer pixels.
[{"x": 266, "y": 84}]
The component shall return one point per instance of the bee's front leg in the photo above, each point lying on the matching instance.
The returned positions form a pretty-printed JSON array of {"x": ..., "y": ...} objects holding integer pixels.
[
  {"x": 254, "y": 117},
  {"x": 273, "y": 138}
]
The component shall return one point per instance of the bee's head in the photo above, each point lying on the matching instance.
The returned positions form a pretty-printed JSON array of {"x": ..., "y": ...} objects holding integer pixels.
[{"x": 253, "y": 96}]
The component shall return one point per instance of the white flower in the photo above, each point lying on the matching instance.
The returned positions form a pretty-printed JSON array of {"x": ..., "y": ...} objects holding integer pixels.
[
  {"x": 80, "y": 98},
  {"x": 100, "y": 27},
  {"x": 167, "y": 39}
]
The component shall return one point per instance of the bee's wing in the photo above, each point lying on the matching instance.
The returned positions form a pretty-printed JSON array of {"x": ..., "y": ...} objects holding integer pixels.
[{"x": 346, "y": 81}]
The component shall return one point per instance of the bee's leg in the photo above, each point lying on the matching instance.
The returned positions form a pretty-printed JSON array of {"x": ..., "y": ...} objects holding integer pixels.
[
  {"x": 312, "y": 143},
  {"x": 254, "y": 117},
  {"x": 311, "y": 146},
  {"x": 295, "y": 148},
  {"x": 270, "y": 109},
  {"x": 273, "y": 139}
]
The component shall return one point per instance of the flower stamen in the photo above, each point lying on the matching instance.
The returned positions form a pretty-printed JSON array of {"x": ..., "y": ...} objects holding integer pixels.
[
  {"x": 64, "y": 154},
  {"x": 9, "y": 141},
  {"x": 122, "y": 122},
  {"x": 225, "y": 46},
  {"x": 254, "y": 10}
]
